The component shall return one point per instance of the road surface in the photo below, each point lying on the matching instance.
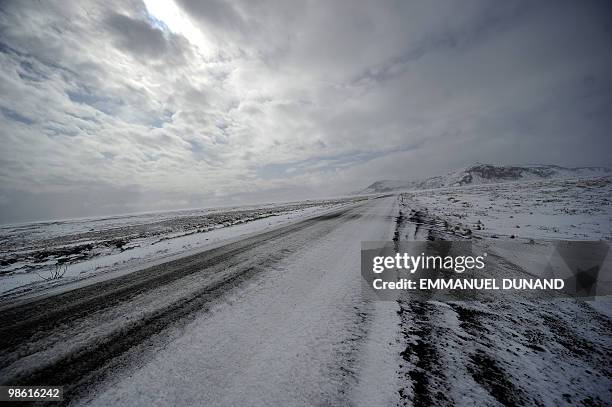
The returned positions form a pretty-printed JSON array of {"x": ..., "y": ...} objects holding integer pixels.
[{"x": 277, "y": 318}]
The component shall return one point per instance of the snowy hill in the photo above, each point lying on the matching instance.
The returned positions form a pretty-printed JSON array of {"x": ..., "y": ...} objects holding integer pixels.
[{"x": 485, "y": 174}]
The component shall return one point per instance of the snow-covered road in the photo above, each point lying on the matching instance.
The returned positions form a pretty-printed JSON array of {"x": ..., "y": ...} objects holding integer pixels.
[
  {"x": 277, "y": 318},
  {"x": 299, "y": 333}
]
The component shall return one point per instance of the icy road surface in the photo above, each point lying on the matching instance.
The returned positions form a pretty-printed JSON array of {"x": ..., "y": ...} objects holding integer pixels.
[
  {"x": 299, "y": 333},
  {"x": 272, "y": 319}
]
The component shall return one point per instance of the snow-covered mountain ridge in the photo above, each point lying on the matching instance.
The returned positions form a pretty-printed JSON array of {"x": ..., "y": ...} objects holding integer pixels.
[{"x": 486, "y": 174}]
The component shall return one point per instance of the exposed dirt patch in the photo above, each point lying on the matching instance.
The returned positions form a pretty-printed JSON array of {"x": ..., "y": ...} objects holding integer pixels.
[
  {"x": 423, "y": 368},
  {"x": 486, "y": 371}
]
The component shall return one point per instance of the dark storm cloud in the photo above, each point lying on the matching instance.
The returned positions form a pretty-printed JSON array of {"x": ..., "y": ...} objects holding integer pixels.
[
  {"x": 206, "y": 102},
  {"x": 142, "y": 39}
]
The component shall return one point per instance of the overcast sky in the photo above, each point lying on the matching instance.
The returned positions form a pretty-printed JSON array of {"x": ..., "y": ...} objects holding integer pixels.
[{"x": 115, "y": 107}]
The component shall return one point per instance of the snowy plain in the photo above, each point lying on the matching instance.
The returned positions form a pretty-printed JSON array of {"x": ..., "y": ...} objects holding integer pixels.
[
  {"x": 510, "y": 348},
  {"x": 105, "y": 247},
  {"x": 573, "y": 209},
  {"x": 272, "y": 313}
]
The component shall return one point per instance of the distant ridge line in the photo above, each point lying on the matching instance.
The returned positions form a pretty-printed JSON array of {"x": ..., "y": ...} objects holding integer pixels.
[{"x": 480, "y": 173}]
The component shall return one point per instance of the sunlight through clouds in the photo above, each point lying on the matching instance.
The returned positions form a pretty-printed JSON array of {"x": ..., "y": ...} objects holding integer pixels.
[{"x": 177, "y": 21}]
